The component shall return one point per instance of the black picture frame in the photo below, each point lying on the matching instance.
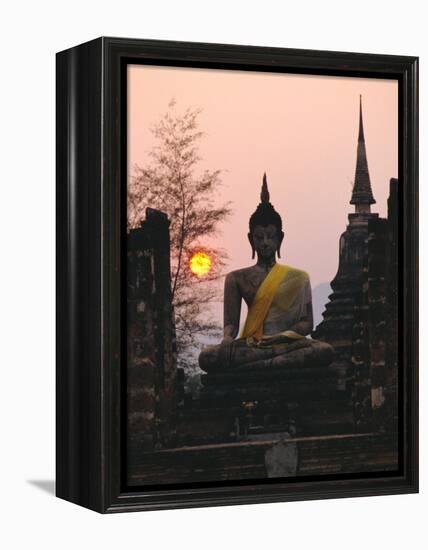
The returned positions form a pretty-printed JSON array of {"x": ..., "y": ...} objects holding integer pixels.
[{"x": 90, "y": 206}]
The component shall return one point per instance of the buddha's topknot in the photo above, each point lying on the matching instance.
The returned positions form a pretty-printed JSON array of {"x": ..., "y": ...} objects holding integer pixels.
[{"x": 265, "y": 213}]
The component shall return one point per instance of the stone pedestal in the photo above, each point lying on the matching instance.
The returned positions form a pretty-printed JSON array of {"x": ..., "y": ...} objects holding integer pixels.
[{"x": 268, "y": 403}]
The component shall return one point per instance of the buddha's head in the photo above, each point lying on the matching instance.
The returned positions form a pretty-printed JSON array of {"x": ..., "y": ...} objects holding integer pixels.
[{"x": 266, "y": 233}]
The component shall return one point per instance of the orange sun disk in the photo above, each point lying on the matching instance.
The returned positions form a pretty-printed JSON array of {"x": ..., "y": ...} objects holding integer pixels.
[{"x": 200, "y": 264}]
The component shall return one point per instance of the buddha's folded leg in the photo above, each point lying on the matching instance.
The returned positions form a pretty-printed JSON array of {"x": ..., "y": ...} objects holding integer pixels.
[
  {"x": 231, "y": 354},
  {"x": 310, "y": 353},
  {"x": 240, "y": 355}
]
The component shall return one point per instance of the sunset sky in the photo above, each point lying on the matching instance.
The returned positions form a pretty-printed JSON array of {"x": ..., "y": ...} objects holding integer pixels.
[{"x": 301, "y": 130}]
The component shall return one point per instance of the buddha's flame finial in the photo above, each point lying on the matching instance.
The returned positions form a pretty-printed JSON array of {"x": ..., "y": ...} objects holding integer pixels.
[{"x": 264, "y": 195}]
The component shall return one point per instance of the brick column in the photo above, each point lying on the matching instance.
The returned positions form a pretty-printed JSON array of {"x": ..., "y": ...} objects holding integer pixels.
[{"x": 151, "y": 350}]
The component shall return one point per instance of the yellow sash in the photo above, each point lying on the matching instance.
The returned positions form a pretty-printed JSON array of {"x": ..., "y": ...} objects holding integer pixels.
[{"x": 293, "y": 280}]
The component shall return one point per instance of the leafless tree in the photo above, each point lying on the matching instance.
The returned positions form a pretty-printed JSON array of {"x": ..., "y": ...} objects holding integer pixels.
[{"x": 171, "y": 183}]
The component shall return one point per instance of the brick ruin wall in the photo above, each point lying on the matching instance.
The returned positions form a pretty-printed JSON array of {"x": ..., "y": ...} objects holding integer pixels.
[{"x": 151, "y": 350}]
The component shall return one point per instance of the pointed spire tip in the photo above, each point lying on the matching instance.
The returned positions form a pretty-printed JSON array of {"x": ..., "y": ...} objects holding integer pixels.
[{"x": 362, "y": 192}]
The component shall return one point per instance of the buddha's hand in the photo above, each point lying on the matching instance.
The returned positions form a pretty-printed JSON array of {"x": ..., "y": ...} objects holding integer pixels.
[
  {"x": 275, "y": 339},
  {"x": 286, "y": 337}
]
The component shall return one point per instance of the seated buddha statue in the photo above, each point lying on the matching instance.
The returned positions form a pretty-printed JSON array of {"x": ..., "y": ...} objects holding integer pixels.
[{"x": 279, "y": 300}]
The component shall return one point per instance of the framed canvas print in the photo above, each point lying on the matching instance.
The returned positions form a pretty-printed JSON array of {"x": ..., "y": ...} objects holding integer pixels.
[{"x": 237, "y": 276}]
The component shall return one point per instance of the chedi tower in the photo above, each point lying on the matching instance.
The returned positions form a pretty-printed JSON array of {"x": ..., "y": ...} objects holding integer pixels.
[{"x": 337, "y": 325}]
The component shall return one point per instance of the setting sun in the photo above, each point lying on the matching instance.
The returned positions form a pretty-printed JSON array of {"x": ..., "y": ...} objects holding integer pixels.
[{"x": 200, "y": 264}]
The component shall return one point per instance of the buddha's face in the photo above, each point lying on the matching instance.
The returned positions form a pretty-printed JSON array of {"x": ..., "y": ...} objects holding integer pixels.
[{"x": 266, "y": 241}]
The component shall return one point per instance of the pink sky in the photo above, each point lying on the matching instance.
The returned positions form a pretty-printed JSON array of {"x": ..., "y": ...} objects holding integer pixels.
[{"x": 301, "y": 130}]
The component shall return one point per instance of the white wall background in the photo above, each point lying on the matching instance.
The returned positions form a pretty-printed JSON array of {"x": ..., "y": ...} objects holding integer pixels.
[{"x": 30, "y": 34}]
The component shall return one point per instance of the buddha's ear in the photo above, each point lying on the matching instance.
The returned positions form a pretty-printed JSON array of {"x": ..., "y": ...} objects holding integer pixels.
[
  {"x": 250, "y": 238},
  {"x": 281, "y": 238}
]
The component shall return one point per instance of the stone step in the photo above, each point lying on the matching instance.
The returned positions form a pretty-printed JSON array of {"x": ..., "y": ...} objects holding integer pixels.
[{"x": 302, "y": 457}]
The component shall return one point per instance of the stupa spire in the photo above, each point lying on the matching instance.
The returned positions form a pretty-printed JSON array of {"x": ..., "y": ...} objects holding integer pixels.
[{"x": 362, "y": 195}]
